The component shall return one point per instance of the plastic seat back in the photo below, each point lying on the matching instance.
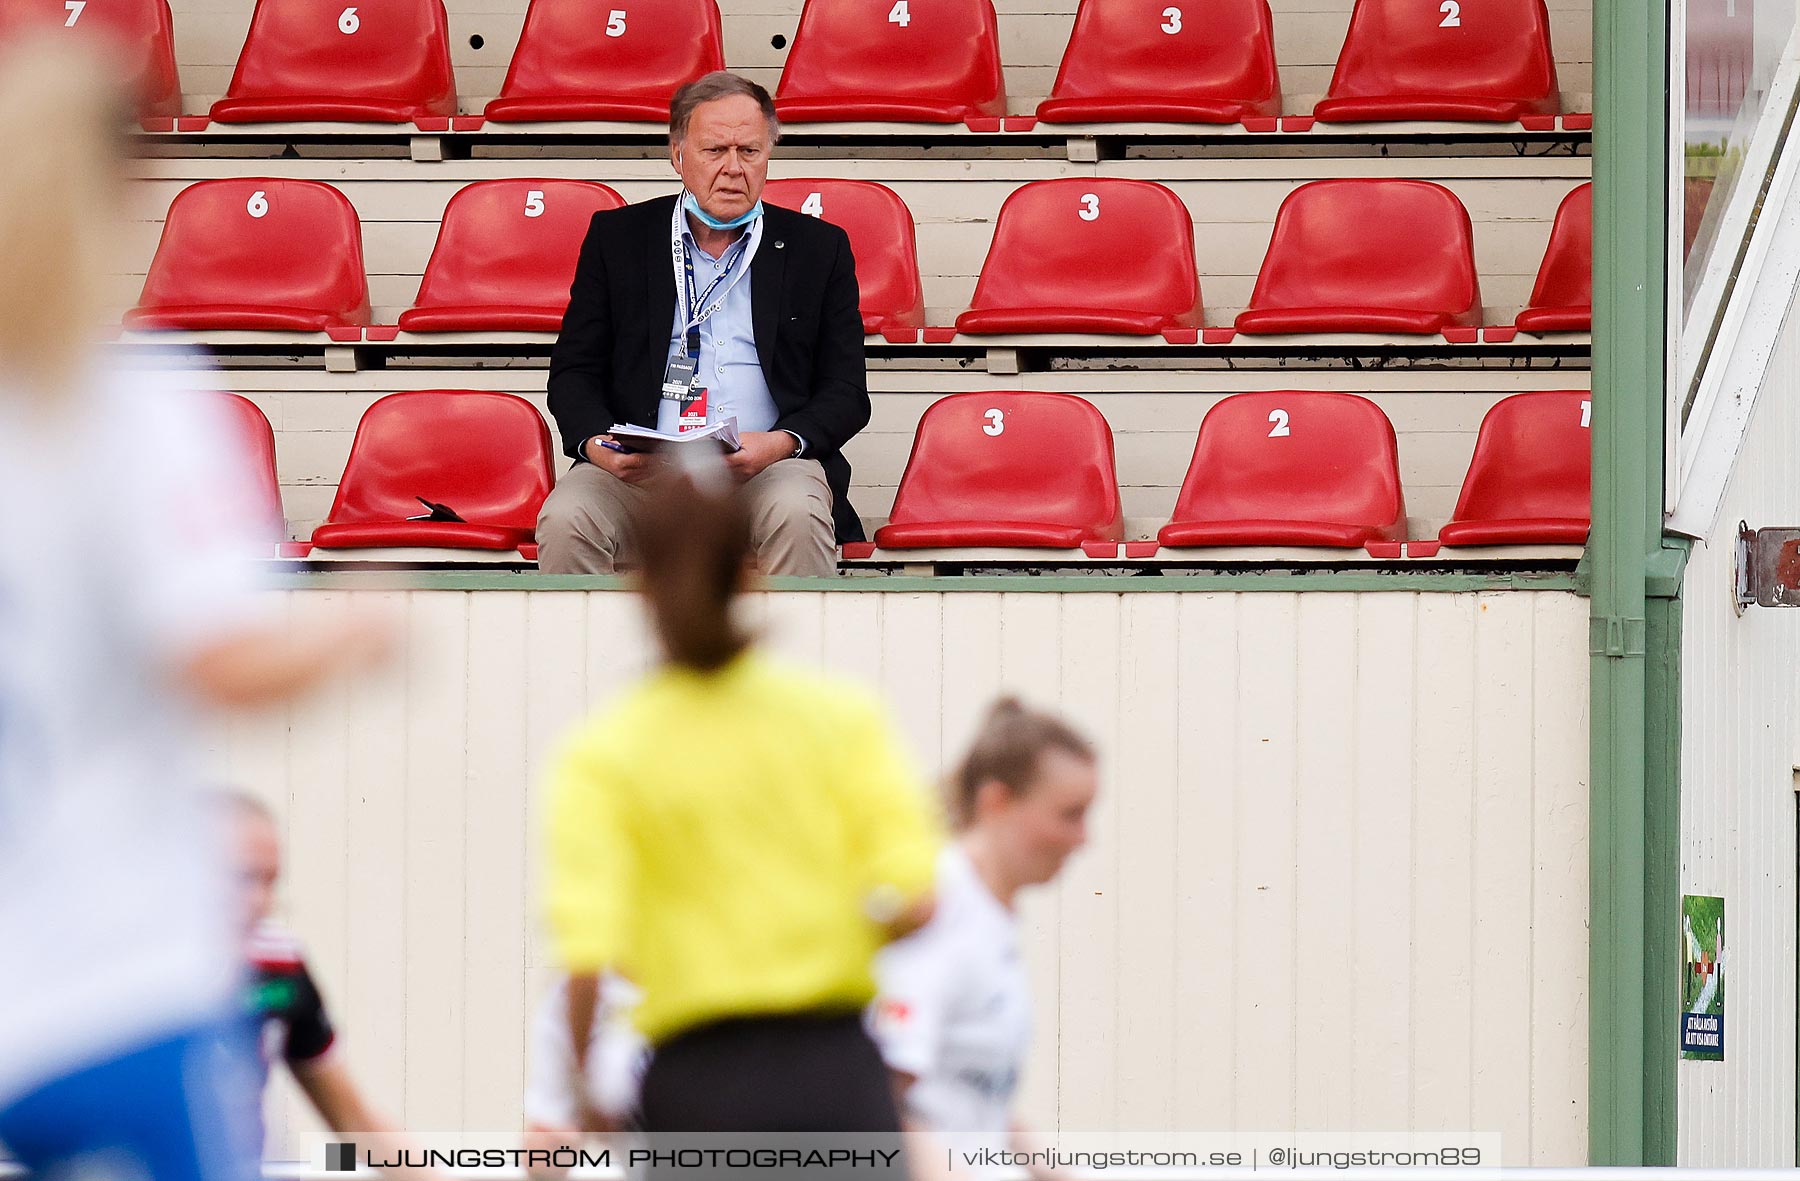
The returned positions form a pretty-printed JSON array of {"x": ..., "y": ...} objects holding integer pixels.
[
  {"x": 1562, "y": 300},
  {"x": 1291, "y": 468},
  {"x": 881, "y": 237},
  {"x": 1007, "y": 469},
  {"x": 1479, "y": 60},
  {"x": 333, "y": 60},
  {"x": 1057, "y": 263},
  {"x": 620, "y": 62},
  {"x": 1367, "y": 256},
  {"x": 1530, "y": 480},
  {"x": 1178, "y": 61},
  {"x": 505, "y": 256},
  {"x": 256, "y": 439},
  {"x": 140, "y": 33},
  {"x": 485, "y": 456},
  {"x": 256, "y": 253},
  {"x": 909, "y": 61}
]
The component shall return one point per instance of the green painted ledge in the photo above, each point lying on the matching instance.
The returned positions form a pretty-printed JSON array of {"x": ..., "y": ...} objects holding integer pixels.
[{"x": 1250, "y": 581}]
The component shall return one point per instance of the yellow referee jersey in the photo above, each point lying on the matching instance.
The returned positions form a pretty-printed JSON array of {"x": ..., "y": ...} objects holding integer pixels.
[{"x": 720, "y": 838}]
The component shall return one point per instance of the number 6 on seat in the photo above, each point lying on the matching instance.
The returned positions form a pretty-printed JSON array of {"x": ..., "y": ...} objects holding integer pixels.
[{"x": 324, "y": 61}]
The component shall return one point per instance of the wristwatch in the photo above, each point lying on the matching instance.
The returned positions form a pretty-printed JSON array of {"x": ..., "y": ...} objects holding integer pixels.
[{"x": 799, "y": 445}]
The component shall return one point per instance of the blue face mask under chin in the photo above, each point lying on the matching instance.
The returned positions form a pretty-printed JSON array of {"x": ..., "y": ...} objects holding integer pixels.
[{"x": 743, "y": 219}]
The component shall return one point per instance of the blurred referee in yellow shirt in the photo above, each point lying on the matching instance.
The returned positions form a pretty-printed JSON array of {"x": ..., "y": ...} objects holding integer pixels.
[{"x": 738, "y": 837}]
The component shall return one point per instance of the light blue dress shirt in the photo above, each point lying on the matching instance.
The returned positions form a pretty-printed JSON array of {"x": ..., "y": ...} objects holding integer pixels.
[{"x": 729, "y": 367}]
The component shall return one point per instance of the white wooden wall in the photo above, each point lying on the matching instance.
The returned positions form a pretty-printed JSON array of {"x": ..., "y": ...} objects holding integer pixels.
[
  {"x": 1338, "y": 879},
  {"x": 1308, "y": 35},
  {"x": 1740, "y": 747}
]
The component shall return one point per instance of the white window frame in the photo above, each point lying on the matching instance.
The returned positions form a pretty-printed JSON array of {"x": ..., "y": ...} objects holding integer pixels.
[{"x": 1706, "y": 332}]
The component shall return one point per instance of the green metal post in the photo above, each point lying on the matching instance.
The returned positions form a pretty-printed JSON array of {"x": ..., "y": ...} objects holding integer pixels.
[{"x": 1627, "y": 1095}]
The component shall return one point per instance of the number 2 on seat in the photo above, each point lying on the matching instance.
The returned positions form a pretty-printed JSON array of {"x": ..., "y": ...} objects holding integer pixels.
[
  {"x": 1452, "y": 15},
  {"x": 1280, "y": 420}
]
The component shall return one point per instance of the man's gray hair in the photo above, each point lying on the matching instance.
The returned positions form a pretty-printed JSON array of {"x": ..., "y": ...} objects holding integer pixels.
[{"x": 710, "y": 88}]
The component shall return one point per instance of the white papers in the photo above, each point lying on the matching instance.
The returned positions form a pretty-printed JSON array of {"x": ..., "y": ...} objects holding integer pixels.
[{"x": 637, "y": 438}]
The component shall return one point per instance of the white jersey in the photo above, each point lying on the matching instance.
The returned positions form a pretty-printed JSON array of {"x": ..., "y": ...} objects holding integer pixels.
[
  {"x": 124, "y": 527},
  {"x": 617, "y": 1056},
  {"x": 955, "y": 1010}
]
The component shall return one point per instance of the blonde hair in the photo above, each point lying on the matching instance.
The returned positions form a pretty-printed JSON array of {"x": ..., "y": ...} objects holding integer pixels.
[
  {"x": 1012, "y": 739},
  {"x": 61, "y": 199}
]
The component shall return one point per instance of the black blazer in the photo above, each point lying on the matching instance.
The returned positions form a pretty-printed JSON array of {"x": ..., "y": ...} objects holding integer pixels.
[{"x": 608, "y": 363}]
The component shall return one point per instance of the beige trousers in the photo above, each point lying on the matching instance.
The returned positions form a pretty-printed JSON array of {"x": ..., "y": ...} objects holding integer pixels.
[{"x": 582, "y": 527}]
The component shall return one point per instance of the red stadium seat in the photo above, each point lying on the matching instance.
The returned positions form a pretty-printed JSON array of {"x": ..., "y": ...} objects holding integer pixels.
[
  {"x": 1291, "y": 468},
  {"x": 139, "y": 32},
  {"x": 1529, "y": 481},
  {"x": 257, "y": 439},
  {"x": 1367, "y": 256},
  {"x": 881, "y": 237},
  {"x": 1060, "y": 254},
  {"x": 259, "y": 254},
  {"x": 906, "y": 61},
  {"x": 484, "y": 456},
  {"x": 1462, "y": 60},
  {"x": 1563, "y": 298},
  {"x": 505, "y": 256},
  {"x": 623, "y": 61},
  {"x": 1007, "y": 469},
  {"x": 1174, "y": 61},
  {"x": 329, "y": 60}
]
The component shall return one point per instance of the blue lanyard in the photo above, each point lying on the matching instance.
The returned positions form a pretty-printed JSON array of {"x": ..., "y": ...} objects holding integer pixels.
[{"x": 694, "y": 302}]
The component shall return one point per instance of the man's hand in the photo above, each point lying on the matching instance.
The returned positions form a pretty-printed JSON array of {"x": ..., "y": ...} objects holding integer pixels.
[
  {"x": 759, "y": 450},
  {"x": 633, "y": 467}
]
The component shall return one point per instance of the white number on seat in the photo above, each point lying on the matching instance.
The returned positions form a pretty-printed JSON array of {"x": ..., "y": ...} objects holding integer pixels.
[
  {"x": 1090, "y": 207},
  {"x": 996, "y": 423},
  {"x": 615, "y": 23},
  {"x": 534, "y": 203},
  {"x": 1280, "y": 419},
  {"x": 1587, "y": 413},
  {"x": 1173, "y": 23},
  {"x": 74, "y": 7},
  {"x": 258, "y": 205},
  {"x": 899, "y": 14},
  {"x": 349, "y": 22},
  {"x": 1452, "y": 15},
  {"x": 813, "y": 206}
]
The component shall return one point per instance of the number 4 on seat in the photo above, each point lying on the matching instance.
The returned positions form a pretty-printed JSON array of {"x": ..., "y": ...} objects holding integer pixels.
[{"x": 904, "y": 61}]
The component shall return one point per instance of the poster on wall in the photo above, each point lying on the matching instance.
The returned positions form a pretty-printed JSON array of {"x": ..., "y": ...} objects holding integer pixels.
[{"x": 1703, "y": 978}]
